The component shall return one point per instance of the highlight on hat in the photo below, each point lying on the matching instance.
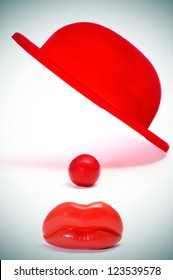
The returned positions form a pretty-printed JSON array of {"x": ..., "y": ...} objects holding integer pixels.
[{"x": 105, "y": 68}]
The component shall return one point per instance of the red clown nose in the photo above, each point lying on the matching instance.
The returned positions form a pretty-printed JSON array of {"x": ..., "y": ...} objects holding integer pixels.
[{"x": 105, "y": 68}]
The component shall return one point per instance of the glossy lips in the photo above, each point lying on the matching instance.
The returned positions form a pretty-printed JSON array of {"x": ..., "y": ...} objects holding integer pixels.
[{"x": 78, "y": 226}]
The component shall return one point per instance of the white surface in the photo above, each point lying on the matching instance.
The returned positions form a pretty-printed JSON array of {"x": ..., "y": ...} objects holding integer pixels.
[{"x": 44, "y": 124}]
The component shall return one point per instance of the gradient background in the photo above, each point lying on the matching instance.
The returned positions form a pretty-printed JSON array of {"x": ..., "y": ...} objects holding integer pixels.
[{"x": 44, "y": 124}]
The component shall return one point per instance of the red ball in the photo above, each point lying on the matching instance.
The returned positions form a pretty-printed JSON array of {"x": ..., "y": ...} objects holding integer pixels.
[{"x": 84, "y": 170}]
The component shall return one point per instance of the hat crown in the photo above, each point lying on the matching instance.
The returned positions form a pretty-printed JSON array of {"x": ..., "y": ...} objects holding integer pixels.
[{"x": 107, "y": 64}]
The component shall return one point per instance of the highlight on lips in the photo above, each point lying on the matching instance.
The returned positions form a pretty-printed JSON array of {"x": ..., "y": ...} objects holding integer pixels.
[{"x": 72, "y": 225}]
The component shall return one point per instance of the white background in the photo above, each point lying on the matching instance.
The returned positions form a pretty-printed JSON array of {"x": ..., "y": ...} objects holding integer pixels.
[{"x": 44, "y": 124}]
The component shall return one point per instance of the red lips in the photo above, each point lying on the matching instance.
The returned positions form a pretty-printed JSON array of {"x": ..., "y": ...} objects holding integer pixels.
[{"x": 78, "y": 226}]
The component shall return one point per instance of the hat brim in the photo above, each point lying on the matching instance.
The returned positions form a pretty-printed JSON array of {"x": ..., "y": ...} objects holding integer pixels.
[{"x": 36, "y": 52}]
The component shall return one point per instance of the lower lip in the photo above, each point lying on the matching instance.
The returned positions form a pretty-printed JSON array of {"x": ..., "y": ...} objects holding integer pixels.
[
  {"x": 76, "y": 232},
  {"x": 74, "y": 238}
]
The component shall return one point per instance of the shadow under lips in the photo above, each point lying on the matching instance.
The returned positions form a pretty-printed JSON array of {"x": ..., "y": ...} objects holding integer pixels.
[{"x": 72, "y": 251}]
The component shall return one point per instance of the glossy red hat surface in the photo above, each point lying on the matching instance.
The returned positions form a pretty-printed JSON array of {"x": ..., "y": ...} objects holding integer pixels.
[
  {"x": 81, "y": 226},
  {"x": 105, "y": 68}
]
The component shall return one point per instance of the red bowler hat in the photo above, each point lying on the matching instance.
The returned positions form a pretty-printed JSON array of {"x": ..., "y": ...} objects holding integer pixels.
[{"x": 105, "y": 68}]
